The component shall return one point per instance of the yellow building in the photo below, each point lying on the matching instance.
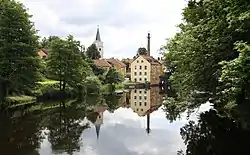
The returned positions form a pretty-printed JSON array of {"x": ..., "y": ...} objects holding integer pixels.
[
  {"x": 146, "y": 69},
  {"x": 118, "y": 65}
]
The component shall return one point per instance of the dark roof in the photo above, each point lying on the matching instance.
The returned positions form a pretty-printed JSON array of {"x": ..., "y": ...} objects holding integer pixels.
[
  {"x": 150, "y": 59},
  {"x": 98, "y": 37}
]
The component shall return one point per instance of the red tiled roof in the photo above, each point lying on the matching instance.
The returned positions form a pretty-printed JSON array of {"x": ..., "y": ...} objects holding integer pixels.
[
  {"x": 116, "y": 63},
  {"x": 101, "y": 63}
]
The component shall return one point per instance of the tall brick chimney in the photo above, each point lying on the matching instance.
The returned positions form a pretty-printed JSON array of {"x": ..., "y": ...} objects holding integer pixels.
[{"x": 148, "y": 48}]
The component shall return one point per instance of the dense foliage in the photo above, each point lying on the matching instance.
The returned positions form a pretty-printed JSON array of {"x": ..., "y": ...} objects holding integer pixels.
[
  {"x": 204, "y": 55},
  {"x": 65, "y": 63},
  {"x": 208, "y": 60},
  {"x": 19, "y": 62}
]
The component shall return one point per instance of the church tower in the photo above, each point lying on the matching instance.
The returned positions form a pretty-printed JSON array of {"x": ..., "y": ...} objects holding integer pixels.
[{"x": 98, "y": 42}]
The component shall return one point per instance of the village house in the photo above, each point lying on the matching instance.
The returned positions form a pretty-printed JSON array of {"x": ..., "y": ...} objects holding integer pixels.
[
  {"x": 146, "y": 69},
  {"x": 118, "y": 65},
  {"x": 102, "y": 63},
  {"x": 42, "y": 53}
]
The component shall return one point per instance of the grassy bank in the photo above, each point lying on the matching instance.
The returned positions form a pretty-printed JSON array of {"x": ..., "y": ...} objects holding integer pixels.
[{"x": 13, "y": 101}]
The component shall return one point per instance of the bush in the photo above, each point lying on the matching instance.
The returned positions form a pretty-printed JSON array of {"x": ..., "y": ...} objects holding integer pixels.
[{"x": 93, "y": 85}]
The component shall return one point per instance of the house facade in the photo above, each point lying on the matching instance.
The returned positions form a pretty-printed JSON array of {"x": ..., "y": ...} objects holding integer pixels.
[
  {"x": 146, "y": 69},
  {"x": 118, "y": 65}
]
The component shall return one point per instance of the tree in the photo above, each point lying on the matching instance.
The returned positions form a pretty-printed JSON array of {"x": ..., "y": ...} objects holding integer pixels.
[
  {"x": 92, "y": 52},
  {"x": 46, "y": 42},
  {"x": 19, "y": 62},
  {"x": 207, "y": 37},
  {"x": 142, "y": 51},
  {"x": 66, "y": 64},
  {"x": 112, "y": 77}
]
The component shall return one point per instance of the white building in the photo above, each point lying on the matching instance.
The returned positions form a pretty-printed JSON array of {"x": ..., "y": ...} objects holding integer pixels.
[{"x": 99, "y": 43}]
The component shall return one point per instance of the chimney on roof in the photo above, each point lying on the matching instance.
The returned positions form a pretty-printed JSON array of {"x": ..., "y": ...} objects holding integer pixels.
[{"x": 148, "y": 48}]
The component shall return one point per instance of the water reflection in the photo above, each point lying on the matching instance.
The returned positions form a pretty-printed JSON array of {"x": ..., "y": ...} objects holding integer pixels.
[{"x": 113, "y": 124}]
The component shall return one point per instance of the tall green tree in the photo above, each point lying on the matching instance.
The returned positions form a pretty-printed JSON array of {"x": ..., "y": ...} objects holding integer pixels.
[
  {"x": 66, "y": 64},
  {"x": 19, "y": 60},
  {"x": 142, "y": 51},
  {"x": 208, "y": 35},
  {"x": 92, "y": 52}
]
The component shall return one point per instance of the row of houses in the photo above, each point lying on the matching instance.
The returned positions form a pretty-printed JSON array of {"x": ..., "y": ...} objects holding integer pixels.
[{"x": 139, "y": 69}]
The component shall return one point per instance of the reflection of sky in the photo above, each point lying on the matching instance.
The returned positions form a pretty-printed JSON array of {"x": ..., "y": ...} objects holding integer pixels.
[{"x": 123, "y": 133}]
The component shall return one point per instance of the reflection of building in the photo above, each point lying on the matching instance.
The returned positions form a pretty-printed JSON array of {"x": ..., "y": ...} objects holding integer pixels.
[
  {"x": 145, "y": 101},
  {"x": 97, "y": 118}
]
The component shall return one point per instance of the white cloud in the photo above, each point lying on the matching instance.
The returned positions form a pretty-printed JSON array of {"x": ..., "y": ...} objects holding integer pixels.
[{"x": 123, "y": 24}]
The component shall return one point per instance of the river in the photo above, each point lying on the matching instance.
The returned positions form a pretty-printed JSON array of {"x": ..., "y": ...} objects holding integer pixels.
[{"x": 133, "y": 124}]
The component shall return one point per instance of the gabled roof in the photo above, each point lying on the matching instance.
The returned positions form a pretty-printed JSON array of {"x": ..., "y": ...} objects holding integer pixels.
[
  {"x": 150, "y": 59},
  {"x": 101, "y": 63},
  {"x": 116, "y": 63}
]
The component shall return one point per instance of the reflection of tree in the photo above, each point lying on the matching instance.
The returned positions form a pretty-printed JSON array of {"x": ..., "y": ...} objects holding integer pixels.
[
  {"x": 113, "y": 101},
  {"x": 65, "y": 130},
  {"x": 20, "y": 135},
  {"x": 215, "y": 135},
  {"x": 174, "y": 106}
]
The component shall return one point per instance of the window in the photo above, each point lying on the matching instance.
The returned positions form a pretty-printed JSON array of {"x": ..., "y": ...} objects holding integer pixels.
[
  {"x": 139, "y": 73},
  {"x": 137, "y": 61},
  {"x": 145, "y": 73},
  {"x": 135, "y": 90},
  {"x": 135, "y": 67},
  {"x": 139, "y": 103},
  {"x": 145, "y": 79},
  {"x": 145, "y": 97},
  {"x": 141, "y": 109},
  {"x": 135, "y": 103},
  {"x": 140, "y": 97},
  {"x": 145, "y": 103},
  {"x": 134, "y": 97},
  {"x": 140, "y": 67},
  {"x": 145, "y": 91},
  {"x": 135, "y": 80},
  {"x": 140, "y": 79},
  {"x": 100, "y": 49},
  {"x": 141, "y": 61},
  {"x": 135, "y": 73},
  {"x": 140, "y": 92},
  {"x": 137, "y": 109},
  {"x": 145, "y": 67}
]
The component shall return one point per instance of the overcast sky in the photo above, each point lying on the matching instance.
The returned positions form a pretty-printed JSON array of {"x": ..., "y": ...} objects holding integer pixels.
[{"x": 124, "y": 24}]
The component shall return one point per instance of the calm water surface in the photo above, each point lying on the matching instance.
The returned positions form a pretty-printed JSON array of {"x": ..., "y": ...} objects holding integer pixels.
[{"x": 135, "y": 125}]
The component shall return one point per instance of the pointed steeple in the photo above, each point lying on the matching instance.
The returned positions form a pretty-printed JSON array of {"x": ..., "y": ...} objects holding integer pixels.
[
  {"x": 97, "y": 129},
  {"x": 98, "y": 37}
]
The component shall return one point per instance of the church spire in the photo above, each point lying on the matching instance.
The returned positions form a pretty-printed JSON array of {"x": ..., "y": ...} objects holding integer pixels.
[
  {"x": 98, "y": 37},
  {"x": 97, "y": 129}
]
